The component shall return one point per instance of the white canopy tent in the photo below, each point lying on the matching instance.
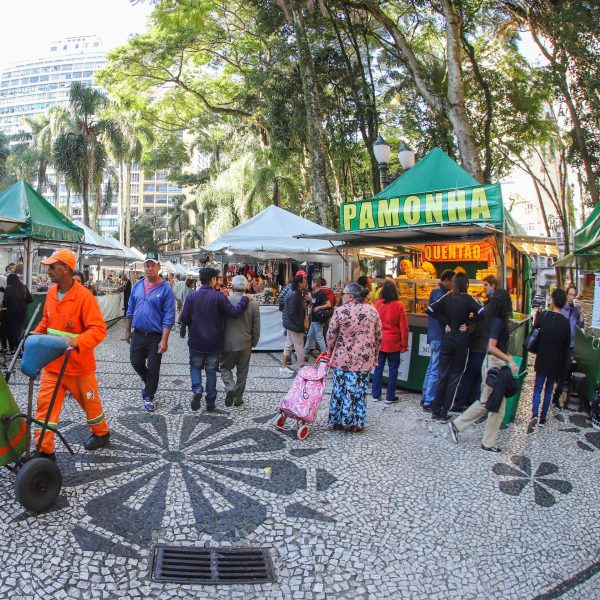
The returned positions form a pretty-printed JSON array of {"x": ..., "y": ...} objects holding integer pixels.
[{"x": 270, "y": 234}]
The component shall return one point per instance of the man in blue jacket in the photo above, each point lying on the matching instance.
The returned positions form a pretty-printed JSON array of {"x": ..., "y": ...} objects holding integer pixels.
[
  {"x": 151, "y": 312},
  {"x": 434, "y": 339},
  {"x": 204, "y": 314}
]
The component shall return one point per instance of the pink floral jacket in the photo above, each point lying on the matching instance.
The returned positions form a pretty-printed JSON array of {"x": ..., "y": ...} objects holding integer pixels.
[{"x": 354, "y": 337}]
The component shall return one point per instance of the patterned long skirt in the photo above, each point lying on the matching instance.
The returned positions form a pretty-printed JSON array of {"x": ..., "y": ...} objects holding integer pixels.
[{"x": 348, "y": 405}]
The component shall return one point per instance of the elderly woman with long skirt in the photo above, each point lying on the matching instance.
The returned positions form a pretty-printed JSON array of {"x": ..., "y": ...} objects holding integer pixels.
[{"x": 353, "y": 341}]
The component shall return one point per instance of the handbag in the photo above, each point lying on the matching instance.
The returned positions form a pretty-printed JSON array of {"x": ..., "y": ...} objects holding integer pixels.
[{"x": 533, "y": 339}]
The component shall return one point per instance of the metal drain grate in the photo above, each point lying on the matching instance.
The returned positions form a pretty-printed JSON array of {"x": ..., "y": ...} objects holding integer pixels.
[{"x": 187, "y": 564}]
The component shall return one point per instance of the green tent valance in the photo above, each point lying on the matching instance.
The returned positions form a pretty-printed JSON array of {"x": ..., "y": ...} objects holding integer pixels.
[
  {"x": 436, "y": 191},
  {"x": 38, "y": 219},
  {"x": 587, "y": 238}
]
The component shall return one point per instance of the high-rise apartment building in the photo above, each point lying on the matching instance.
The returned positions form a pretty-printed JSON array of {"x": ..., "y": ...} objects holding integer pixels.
[{"x": 31, "y": 87}]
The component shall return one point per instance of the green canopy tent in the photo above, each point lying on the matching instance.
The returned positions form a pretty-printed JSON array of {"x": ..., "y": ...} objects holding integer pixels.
[
  {"x": 38, "y": 221},
  {"x": 586, "y": 253}
]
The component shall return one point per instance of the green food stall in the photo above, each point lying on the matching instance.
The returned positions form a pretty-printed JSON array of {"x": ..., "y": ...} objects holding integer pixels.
[
  {"x": 584, "y": 264},
  {"x": 437, "y": 213},
  {"x": 38, "y": 222}
]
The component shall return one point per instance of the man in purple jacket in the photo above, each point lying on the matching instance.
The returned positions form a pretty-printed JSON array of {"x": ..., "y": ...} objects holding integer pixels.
[{"x": 203, "y": 313}]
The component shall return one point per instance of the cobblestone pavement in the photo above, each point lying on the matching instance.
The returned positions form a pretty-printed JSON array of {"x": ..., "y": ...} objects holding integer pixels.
[{"x": 395, "y": 512}]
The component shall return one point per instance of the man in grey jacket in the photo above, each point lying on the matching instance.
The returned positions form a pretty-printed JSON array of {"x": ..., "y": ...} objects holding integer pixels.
[{"x": 241, "y": 335}]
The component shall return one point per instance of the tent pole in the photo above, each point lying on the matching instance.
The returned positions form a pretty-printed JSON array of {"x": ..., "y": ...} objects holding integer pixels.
[
  {"x": 28, "y": 243},
  {"x": 504, "y": 252}
]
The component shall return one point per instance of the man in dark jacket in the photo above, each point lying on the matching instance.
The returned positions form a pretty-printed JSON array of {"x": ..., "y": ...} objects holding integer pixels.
[
  {"x": 294, "y": 312},
  {"x": 203, "y": 313}
]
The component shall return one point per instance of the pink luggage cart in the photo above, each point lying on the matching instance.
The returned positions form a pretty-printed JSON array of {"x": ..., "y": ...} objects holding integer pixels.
[{"x": 301, "y": 403}]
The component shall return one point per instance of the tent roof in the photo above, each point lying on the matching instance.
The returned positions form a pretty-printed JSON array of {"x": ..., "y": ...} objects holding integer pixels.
[
  {"x": 587, "y": 237},
  {"x": 40, "y": 220},
  {"x": 270, "y": 234},
  {"x": 436, "y": 171},
  {"x": 127, "y": 253},
  {"x": 93, "y": 239}
]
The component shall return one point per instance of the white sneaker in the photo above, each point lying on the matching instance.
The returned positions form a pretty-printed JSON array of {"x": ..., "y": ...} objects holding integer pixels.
[{"x": 286, "y": 370}]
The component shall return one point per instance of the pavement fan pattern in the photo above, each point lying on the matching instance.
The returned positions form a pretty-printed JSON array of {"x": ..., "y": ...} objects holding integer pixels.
[{"x": 397, "y": 511}]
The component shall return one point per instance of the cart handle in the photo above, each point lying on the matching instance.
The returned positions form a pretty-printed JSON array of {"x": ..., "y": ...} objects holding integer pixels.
[
  {"x": 323, "y": 357},
  {"x": 44, "y": 425}
]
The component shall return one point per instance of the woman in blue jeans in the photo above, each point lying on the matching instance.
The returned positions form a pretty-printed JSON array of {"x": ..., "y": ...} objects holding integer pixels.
[
  {"x": 553, "y": 346},
  {"x": 395, "y": 340}
]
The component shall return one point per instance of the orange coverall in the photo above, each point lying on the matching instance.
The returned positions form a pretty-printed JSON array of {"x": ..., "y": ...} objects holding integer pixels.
[{"x": 76, "y": 315}]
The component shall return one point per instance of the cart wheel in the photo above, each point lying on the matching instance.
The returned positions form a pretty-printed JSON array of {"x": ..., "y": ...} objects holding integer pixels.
[
  {"x": 302, "y": 432},
  {"x": 38, "y": 484},
  {"x": 280, "y": 420}
]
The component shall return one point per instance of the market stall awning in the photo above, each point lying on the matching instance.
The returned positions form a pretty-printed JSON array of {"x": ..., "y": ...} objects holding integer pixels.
[
  {"x": 273, "y": 233},
  {"x": 534, "y": 246},
  {"x": 39, "y": 219},
  {"x": 587, "y": 237},
  {"x": 403, "y": 236}
]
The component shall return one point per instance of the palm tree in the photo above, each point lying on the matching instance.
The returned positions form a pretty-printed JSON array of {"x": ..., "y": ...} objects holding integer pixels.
[
  {"x": 81, "y": 152},
  {"x": 134, "y": 136}
]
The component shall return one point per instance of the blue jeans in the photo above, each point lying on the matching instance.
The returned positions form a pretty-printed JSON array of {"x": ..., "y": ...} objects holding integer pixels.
[
  {"x": 315, "y": 331},
  {"x": 540, "y": 378},
  {"x": 209, "y": 362},
  {"x": 431, "y": 376},
  {"x": 393, "y": 360}
]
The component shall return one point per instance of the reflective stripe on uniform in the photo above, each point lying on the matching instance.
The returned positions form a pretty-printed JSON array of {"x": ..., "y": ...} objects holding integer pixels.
[
  {"x": 96, "y": 420},
  {"x": 61, "y": 333},
  {"x": 50, "y": 423}
]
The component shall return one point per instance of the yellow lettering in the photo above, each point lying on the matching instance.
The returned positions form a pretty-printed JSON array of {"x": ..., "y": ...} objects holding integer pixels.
[
  {"x": 433, "y": 208},
  {"x": 428, "y": 252},
  {"x": 476, "y": 251},
  {"x": 452, "y": 252},
  {"x": 460, "y": 250},
  {"x": 412, "y": 210},
  {"x": 467, "y": 251},
  {"x": 366, "y": 220},
  {"x": 480, "y": 208},
  {"x": 436, "y": 252},
  {"x": 349, "y": 215},
  {"x": 457, "y": 205},
  {"x": 388, "y": 212}
]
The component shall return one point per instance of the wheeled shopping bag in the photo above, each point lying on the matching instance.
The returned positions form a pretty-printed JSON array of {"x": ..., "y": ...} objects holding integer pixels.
[{"x": 301, "y": 403}]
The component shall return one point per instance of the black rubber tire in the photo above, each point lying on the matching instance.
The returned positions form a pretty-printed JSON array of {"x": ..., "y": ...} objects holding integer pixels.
[{"x": 38, "y": 484}]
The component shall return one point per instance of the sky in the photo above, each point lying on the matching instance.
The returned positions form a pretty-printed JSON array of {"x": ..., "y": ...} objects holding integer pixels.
[{"x": 29, "y": 26}]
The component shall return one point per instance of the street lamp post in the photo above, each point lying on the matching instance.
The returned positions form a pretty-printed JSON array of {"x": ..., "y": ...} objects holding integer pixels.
[
  {"x": 406, "y": 156},
  {"x": 382, "y": 151}
]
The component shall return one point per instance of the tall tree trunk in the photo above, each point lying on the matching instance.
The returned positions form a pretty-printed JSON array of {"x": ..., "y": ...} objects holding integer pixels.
[
  {"x": 121, "y": 203},
  {"x": 314, "y": 117},
  {"x": 69, "y": 201},
  {"x": 457, "y": 110},
  {"x": 275, "y": 199},
  {"x": 85, "y": 199},
  {"x": 57, "y": 189},
  {"x": 453, "y": 106},
  {"x": 127, "y": 185},
  {"x": 41, "y": 175}
]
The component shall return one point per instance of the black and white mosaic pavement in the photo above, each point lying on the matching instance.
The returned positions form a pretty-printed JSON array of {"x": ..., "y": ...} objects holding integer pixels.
[{"x": 395, "y": 512}]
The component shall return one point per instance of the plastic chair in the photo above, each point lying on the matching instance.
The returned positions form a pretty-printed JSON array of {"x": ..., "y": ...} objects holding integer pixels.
[{"x": 577, "y": 389}]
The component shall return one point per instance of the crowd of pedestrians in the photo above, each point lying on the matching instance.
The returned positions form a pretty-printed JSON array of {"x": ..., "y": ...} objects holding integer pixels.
[{"x": 470, "y": 372}]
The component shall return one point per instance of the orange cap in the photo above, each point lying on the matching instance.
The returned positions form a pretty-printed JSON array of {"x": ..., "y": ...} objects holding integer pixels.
[{"x": 62, "y": 255}]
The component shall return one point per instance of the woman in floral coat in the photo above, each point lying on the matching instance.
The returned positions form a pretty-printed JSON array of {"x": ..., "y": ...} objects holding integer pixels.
[{"x": 353, "y": 341}]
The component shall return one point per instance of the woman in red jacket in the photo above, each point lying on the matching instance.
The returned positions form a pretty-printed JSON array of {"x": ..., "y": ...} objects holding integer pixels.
[{"x": 395, "y": 340}]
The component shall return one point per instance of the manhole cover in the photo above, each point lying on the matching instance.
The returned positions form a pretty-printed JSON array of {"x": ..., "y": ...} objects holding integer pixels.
[{"x": 188, "y": 564}]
